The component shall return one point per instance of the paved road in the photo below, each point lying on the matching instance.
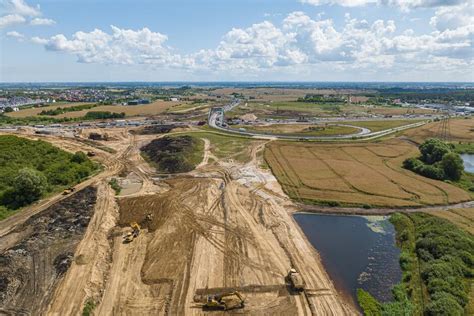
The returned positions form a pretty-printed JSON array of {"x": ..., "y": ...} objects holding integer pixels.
[{"x": 216, "y": 119}]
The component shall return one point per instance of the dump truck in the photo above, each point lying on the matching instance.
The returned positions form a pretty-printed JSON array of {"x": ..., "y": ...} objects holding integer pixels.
[
  {"x": 222, "y": 301},
  {"x": 131, "y": 235},
  {"x": 295, "y": 279}
]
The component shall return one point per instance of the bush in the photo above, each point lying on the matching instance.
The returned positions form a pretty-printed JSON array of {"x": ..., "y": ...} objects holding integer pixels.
[
  {"x": 89, "y": 307},
  {"x": 102, "y": 115},
  {"x": 433, "y": 150},
  {"x": 79, "y": 157},
  {"x": 368, "y": 303},
  {"x": 444, "y": 254},
  {"x": 28, "y": 186},
  {"x": 444, "y": 304},
  {"x": 115, "y": 186},
  {"x": 437, "y": 161},
  {"x": 453, "y": 166}
]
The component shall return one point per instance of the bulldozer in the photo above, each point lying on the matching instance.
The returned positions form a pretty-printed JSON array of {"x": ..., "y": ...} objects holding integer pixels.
[
  {"x": 295, "y": 279},
  {"x": 131, "y": 235},
  {"x": 223, "y": 301}
]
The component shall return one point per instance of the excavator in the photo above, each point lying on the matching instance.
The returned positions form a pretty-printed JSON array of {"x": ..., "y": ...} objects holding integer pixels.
[
  {"x": 224, "y": 301},
  {"x": 130, "y": 236},
  {"x": 69, "y": 190}
]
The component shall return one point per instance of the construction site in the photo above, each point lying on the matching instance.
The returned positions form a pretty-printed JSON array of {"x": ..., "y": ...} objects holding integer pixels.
[{"x": 220, "y": 239}]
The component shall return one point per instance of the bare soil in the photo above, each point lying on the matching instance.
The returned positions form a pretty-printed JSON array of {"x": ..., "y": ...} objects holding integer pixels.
[
  {"x": 222, "y": 227},
  {"x": 35, "y": 255}
]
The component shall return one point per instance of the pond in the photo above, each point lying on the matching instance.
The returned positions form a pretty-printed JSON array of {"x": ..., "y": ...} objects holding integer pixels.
[
  {"x": 468, "y": 160},
  {"x": 357, "y": 252}
]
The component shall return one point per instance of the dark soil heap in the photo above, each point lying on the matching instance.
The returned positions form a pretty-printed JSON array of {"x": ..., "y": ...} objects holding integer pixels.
[{"x": 172, "y": 154}]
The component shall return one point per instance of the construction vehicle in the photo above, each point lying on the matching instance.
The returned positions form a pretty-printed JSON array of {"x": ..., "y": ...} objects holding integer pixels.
[
  {"x": 223, "y": 301},
  {"x": 131, "y": 235},
  {"x": 69, "y": 190},
  {"x": 295, "y": 279}
]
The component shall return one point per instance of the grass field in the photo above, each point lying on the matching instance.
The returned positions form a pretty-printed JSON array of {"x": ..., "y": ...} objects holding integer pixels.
[
  {"x": 288, "y": 108},
  {"x": 356, "y": 174},
  {"x": 461, "y": 217},
  {"x": 226, "y": 147},
  {"x": 154, "y": 108},
  {"x": 188, "y": 107},
  {"x": 459, "y": 130},
  {"x": 300, "y": 129},
  {"x": 376, "y": 126}
]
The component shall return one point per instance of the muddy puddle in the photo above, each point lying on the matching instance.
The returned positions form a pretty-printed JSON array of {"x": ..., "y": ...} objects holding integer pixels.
[{"x": 357, "y": 252}]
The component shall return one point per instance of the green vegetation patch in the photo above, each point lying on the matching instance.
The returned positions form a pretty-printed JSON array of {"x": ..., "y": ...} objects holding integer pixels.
[
  {"x": 227, "y": 147},
  {"x": 300, "y": 130},
  {"x": 103, "y": 115},
  {"x": 174, "y": 154},
  {"x": 437, "y": 261},
  {"x": 437, "y": 161},
  {"x": 115, "y": 186},
  {"x": 61, "y": 110},
  {"x": 89, "y": 307},
  {"x": 464, "y": 148},
  {"x": 29, "y": 170}
]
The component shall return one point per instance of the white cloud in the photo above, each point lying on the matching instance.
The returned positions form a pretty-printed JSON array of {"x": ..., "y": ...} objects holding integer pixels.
[
  {"x": 119, "y": 47},
  {"x": 300, "y": 41},
  {"x": 20, "y": 7},
  {"x": 11, "y": 19},
  {"x": 403, "y": 4},
  {"x": 41, "y": 21},
  {"x": 344, "y": 3},
  {"x": 39, "y": 40},
  {"x": 20, "y": 12},
  {"x": 453, "y": 17},
  {"x": 15, "y": 34}
]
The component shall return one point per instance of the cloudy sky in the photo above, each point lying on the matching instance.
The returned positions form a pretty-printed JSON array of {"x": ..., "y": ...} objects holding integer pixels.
[{"x": 236, "y": 40}]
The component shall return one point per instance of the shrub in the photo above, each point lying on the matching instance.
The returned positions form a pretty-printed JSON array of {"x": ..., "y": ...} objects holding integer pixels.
[{"x": 444, "y": 304}]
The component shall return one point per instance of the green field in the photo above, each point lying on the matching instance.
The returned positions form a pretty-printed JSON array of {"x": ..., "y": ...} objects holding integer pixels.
[{"x": 300, "y": 129}]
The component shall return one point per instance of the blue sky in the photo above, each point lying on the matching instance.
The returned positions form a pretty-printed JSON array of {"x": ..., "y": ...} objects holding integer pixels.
[{"x": 258, "y": 40}]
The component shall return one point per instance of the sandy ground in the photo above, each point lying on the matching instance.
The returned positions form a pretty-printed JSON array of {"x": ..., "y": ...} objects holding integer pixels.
[{"x": 223, "y": 227}]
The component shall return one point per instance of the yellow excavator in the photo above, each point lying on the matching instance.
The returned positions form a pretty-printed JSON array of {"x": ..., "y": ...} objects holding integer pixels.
[
  {"x": 224, "y": 301},
  {"x": 130, "y": 236}
]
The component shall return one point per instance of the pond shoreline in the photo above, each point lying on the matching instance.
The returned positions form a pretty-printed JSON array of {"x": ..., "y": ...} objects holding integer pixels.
[{"x": 368, "y": 242}]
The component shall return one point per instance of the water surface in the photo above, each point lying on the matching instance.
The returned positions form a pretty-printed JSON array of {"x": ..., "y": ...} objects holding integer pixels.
[
  {"x": 468, "y": 160},
  {"x": 357, "y": 252}
]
